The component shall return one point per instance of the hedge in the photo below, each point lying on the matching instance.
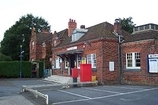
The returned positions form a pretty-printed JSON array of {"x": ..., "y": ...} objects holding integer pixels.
[{"x": 11, "y": 69}]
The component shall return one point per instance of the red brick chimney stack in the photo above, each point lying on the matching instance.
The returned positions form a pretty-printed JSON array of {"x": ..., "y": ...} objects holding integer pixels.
[
  {"x": 117, "y": 26},
  {"x": 71, "y": 26}
]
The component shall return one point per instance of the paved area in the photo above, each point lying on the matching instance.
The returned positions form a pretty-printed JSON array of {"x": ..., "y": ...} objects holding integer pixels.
[
  {"x": 60, "y": 79},
  {"x": 10, "y": 91},
  {"x": 10, "y": 94},
  {"x": 14, "y": 100},
  {"x": 103, "y": 95}
]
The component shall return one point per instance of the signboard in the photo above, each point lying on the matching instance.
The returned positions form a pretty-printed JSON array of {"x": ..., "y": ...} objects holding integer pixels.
[
  {"x": 111, "y": 66},
  {"x": 72, "y": 48},
  {"x": 153, "y": 63},
  {"x": 83, "y": 60}
]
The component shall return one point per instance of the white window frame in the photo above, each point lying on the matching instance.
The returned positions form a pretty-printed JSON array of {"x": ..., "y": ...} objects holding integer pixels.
[
  {"x": 133, "y": 58},
  {"x": 91, "y": 59},
  {"x": 57, "y": 62}
]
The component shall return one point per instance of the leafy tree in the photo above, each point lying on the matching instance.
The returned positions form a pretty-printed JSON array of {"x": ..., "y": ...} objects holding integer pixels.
[
  {"x": 127, "y": 24},
  {"x": 10, "y": 45},
  {"x": 4, "y": 58}
]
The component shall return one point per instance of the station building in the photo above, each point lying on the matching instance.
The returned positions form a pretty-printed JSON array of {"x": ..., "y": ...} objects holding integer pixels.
[{"x": 115, "y": 55}]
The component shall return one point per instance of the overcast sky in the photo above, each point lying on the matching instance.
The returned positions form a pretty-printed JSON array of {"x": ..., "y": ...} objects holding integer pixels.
[{"x": 85, "y": 12}]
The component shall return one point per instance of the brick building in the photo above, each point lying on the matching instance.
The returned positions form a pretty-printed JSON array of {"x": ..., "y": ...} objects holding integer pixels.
[
  {"x": 116, "y": 56},
  {"x": 40, "y": 46},
  {"x": 136, "y": 49},
  {"x": 98, "y": 45}
]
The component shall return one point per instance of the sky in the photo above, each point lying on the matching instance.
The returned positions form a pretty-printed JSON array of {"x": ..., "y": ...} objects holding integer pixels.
[{"x": 86, "y": 12}]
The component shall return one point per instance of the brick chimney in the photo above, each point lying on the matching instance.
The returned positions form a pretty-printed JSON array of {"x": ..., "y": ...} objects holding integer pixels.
[
  {"x": 117, "y": 26},
  {"x": 71, "y": 26}
]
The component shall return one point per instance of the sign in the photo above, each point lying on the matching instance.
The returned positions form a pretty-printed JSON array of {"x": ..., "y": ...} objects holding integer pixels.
[
  {"x": 72, "y": 48},
  {"x": 83, "y": 60},
  {"x": 111, "y": 66},
  {"x": 153, "y": 63}
]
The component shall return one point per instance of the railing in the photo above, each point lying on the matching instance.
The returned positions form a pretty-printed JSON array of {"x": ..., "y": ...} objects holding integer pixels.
[
  {"x": 45, "y": 96},
  {"x": 36, "y": 93}
]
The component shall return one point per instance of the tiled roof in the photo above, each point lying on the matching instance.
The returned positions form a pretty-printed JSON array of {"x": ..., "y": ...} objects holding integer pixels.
[
  {"x": 102, "y": 30},
  {"x": 42, "y": 37},
  {"x": 144, "y": 35}
]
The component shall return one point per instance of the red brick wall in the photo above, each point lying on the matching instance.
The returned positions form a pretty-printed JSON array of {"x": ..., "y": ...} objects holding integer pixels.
[
  {"x": 110, "y": 50},
  {"x": 141, "y": 76},
  {"x": 105, "y": 50},
  {"x": 32, "y": 50}
]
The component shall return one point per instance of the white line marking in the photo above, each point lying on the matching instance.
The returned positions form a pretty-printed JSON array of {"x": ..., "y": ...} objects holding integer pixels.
[
  {"x": 102, "y": 90},
  {"x": 75, "y": 94},
  {"x": 123, "y": 87},
  {"x": 133, "y": 99},
  {"x": 57, "y": 103},
  {"x": 130, "y": 88}
]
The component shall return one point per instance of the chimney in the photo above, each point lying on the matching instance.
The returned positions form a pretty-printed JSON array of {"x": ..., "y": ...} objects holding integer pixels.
[
  {"x": 45, "y": 31},
  {"x": 117, "y": 26},
  {"x": 71, "y": 26},
  {"x": 82, "y": 26}
]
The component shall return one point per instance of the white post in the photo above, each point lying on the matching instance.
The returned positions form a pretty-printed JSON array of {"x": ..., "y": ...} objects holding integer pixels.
[{"x": 46, "y": 99}]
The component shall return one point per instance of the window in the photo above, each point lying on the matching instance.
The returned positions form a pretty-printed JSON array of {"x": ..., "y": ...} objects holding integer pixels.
[
  {"x": 78, "y": 60},
  {"x": 76, "y": 36},
  {"x": 141, "y": 28},
  {"x": 33, "y": 44},
  {"x": 57, "y": 62},
  {"x": 78, "y": 33},
  {"x": 91, "y": 59},
  {"x": 133, "y": 60},
  {"x": 43, "y": 44},
  {"x": 66, "y": 63},
  {"x": 54, "y": 42}
]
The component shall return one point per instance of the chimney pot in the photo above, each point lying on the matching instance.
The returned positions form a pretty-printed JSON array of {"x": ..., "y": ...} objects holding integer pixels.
[
  {"x": 71, "y": 26},
  {"x": 82, "y": 26},
  {"x": 117, "y": 26}
]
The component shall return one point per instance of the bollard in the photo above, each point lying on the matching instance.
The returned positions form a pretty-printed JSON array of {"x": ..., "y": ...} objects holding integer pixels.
[{"x": 74, "y": 76}]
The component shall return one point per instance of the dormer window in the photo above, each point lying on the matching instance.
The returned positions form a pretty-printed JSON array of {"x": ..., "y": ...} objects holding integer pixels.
[{"x": 78, "y": 33}]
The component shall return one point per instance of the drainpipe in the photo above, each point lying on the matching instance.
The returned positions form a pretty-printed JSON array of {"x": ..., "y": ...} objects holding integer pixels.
[
  {"x": 120, "y": 41},
  {"x": 102, "y": 61}
]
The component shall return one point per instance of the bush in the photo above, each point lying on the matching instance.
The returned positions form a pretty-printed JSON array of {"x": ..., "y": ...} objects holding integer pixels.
[{"x": 11, "y": 69}]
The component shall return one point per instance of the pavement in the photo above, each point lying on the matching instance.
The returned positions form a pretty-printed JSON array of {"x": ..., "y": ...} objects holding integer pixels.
[
  {"x": 10, "y": 89},
  {"x": 61, "y": 79},
  {"x": 10, "y": 92},
  {"x": 15, "y": 100}
]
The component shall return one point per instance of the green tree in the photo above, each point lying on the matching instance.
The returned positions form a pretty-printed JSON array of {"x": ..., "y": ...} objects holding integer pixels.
[
  {"x": 127, "y": 24},
  {"x": 10, "y": 45},
  {"x": 4, "y": 58}
]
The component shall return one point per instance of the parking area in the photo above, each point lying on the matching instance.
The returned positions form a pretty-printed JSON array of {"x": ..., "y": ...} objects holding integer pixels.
[
  {"x": 102, "y": 95},
  {"x": 86, "y": 95}
]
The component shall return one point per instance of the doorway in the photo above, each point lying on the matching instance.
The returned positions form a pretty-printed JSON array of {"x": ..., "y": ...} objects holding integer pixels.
[{"x": 72, "y": 62}]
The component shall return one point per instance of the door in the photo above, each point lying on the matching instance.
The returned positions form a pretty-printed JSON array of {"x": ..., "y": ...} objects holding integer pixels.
[{"x": 72, "y": 62}]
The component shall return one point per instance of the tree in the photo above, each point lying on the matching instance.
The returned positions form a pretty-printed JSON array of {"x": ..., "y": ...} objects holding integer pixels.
[
  {"x": 4, "y": 58},
  {"x": 127, "y": 24},
  {"x": 10, "y": 45}
]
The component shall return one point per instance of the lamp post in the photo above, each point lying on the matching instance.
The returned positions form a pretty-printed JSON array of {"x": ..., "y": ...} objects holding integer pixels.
[{"x": 21, "y": 55}]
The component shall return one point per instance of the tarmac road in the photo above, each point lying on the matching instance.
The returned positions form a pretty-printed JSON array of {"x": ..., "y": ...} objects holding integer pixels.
[
  {"x": 10, "y": 91},
  {"x": 10, "y": 94}
]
